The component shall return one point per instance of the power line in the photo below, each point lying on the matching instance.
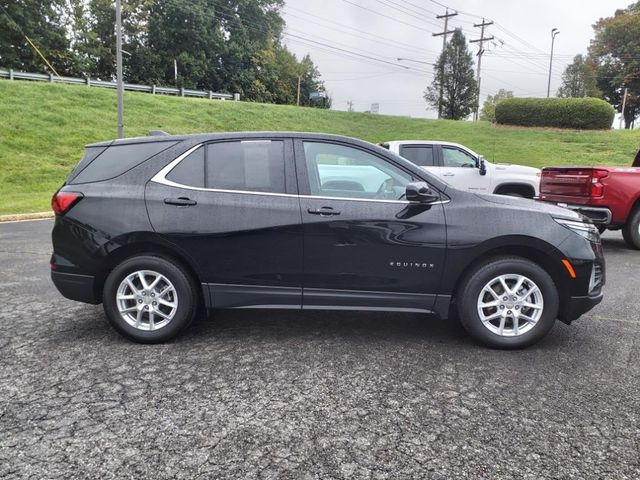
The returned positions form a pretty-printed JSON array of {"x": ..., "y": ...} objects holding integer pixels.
[
  {"x": 382, "y": 40},
  {"x": 375, "y": 12}
]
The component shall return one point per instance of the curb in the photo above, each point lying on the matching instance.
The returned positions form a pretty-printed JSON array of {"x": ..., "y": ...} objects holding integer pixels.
[{"x": 21, "y": 217}]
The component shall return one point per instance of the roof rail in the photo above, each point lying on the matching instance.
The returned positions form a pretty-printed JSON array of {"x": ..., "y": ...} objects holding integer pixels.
[{"x": 157, "y": 133}]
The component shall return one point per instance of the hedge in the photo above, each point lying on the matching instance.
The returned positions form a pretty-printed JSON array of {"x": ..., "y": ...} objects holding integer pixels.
[{"x": 578, "y": 113}]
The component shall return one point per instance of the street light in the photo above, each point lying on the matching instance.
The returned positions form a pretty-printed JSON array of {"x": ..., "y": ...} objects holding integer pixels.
[{"x": 554, "y": 34}]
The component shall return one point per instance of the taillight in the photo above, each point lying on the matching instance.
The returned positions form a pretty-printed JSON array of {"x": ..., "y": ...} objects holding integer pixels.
[
  {"x": 597, "y": 188},
  {"x": 62, "y": 202}
]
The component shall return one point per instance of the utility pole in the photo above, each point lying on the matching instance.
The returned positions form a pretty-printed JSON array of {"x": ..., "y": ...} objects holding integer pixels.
[
  {"x": 120, "y": 85},
  {"x": 350, "y": 103},
  {"x": 554, "y": 34},
  {"x": 624, "y": 106},
  {"x": 444, "y": 35},
  {"x": 481, "y": 41},
  {"x": 299, "y": 81}
]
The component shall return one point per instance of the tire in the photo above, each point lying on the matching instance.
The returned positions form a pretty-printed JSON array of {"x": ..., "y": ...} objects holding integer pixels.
[
  {"x": 516, "y": 333},
  {"x": 154, "y": 314},
  {"x": 631, "y": 230}
]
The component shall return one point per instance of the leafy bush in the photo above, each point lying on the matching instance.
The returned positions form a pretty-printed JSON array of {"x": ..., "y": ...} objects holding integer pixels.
[{"x": 578, "y": 113}]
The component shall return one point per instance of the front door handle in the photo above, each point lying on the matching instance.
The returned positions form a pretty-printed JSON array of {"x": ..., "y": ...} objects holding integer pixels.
[
  {"x": 180, "y": 201},
  {"x": 324, "y": 211},
  {"x": 449, "y": 174}
]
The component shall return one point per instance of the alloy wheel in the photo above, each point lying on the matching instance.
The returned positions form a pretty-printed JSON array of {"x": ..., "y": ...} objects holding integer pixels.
[
  {"x": 510, "y": 305},
  {"x": 147, "y": 300}
]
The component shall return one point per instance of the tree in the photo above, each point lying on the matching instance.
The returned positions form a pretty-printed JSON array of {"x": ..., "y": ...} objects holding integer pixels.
[
  {"x": 454, "y": 71},
  {"x": 579, "y": 80},
  {"x": 488, "y": 111},
  {"x": 616, "y": 52},
  {"x": 221, "y": 45},
  {"x": 43, "y": 23}
]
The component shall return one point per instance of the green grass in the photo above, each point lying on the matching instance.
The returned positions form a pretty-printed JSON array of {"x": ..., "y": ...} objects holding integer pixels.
[{"x": 44, "y": 127}]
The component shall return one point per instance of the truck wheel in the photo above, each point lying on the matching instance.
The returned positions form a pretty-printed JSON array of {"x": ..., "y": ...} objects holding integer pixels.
[
  {"x": 631, "y": 230},
  {"x": 149, "y": 299},
  {"x": 508, "y": 302}
]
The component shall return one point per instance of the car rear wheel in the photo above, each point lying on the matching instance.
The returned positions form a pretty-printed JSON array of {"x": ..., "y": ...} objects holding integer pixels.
[
  {"x": 149, "y": 299},
  {"x": 508, "y": 302},
  {"x": 631, "y": 230}
]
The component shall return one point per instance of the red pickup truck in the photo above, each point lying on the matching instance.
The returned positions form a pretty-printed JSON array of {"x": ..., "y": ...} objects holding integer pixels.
[{"x": 609, "y": 196}]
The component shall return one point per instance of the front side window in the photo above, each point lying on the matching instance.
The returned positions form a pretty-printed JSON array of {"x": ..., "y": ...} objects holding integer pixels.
[
  {"x": 342, "y": 171},
  {"x": 421, "y": 155},
  {"x": 454, "y": 157},
  {"x": 250, "y": 165}
]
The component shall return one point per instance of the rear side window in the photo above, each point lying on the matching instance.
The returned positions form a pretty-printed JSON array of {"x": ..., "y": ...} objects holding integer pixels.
[
  {"x": 247, "y": 165},
  {"x": 117, "y": 159},
  {"x": 252, "y": 165},
  {"x": 421, "y": 155},
  {"x": 90, "y": 154}
]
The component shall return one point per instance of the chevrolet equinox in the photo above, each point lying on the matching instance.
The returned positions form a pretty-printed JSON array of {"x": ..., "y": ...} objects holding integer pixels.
[{"x": 156, "y": 228}]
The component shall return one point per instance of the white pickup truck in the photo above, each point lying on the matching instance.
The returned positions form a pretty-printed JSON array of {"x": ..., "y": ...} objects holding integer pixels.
[{"x": 466, "y": 170}]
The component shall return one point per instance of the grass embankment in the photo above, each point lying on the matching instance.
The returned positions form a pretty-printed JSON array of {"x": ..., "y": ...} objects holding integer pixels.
[{"x": 44, "y": 127}]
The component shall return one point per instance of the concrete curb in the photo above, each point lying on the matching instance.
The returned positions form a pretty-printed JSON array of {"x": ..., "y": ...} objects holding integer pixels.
[{"x": 21, "y": 217}]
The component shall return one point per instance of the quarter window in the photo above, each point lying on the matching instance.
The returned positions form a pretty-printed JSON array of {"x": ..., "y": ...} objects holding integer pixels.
[
  {"x": 189, "y": 171},
  {"x": 421, "y": 155},
  {"x": 454, "y": 157},
  {"x": 341, "y": 171},
  {"x": 256, "y": 166}
]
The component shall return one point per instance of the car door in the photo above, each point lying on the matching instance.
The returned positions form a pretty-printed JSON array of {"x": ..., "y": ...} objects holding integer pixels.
[
  {"x": 232, "y": 206},
  {"x": 460, "y": 170},
  {"x": 364, "y": 246}
]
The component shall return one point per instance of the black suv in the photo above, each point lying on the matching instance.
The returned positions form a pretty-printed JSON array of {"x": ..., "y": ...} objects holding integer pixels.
[{"x": 156, "y": 228}]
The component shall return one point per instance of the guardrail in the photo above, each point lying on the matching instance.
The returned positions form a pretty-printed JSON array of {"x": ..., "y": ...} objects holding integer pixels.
[{"x": 153, "y": 89}]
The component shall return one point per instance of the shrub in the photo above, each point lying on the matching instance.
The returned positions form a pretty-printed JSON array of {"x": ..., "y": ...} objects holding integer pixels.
[{"x": 579, "y": 113}]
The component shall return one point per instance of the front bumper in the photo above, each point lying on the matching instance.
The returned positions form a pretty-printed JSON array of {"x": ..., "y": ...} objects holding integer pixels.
[
  {"x": 76, "y": 287},
  {"x": 575, "y": 307}
]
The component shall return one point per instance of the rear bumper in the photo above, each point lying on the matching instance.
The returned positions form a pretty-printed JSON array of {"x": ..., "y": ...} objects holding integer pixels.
[
  {"x": 76, "y": 287},
  {"x": 598, "y": 215},
  {"x": 575, "y": 307}
]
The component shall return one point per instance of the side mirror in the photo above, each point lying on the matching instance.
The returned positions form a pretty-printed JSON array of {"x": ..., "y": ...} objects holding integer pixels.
[
  {"x": 421, "y": 192},
  {"x": 482, "y": 166}
]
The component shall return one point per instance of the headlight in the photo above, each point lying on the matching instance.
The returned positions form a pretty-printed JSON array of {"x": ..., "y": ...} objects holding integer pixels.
[{"x": 585, "y": 230}]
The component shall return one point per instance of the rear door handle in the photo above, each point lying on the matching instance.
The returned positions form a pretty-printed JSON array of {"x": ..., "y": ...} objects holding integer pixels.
[
  {"x": 180, "y": 201},
  {"x": 324, "y": 211}
]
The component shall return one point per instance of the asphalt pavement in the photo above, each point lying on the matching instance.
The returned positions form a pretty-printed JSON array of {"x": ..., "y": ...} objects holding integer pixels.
[{"x": 281, "y": 394}]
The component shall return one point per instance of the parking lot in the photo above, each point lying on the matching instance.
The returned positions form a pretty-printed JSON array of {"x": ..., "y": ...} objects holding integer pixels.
[{"x": 266, "y": 394}]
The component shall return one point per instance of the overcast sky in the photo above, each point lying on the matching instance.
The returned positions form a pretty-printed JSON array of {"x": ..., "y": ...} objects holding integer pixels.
[{"x": 517, "y": 59}]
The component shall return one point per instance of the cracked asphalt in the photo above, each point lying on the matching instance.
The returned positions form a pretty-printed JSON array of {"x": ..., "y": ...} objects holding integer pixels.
[{"x": 282, "y": 394}]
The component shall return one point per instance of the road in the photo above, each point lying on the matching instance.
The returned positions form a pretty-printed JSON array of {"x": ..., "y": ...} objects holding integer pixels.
[{"x": 281, "y": 394}]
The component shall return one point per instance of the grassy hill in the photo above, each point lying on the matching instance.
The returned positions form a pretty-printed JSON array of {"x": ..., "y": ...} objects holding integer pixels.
[{"x": 43, "y": 128}]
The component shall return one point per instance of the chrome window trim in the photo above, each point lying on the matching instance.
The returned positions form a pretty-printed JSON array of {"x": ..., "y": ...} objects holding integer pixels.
[{"x": 160, "y": 178}]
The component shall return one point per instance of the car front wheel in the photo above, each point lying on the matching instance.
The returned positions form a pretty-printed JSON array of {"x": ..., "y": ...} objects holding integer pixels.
[
  {"x": 508, "y": 302},
  {"x": 149, "y": 299}
]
